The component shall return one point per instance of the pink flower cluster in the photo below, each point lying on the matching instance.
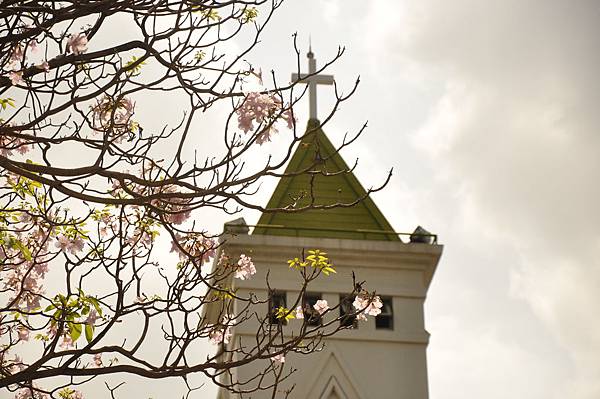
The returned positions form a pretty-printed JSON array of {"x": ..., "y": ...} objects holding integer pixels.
[
  {"x": 176, "y": 209},
  {"x": 113, "y": 114},
  {"x": 367, "y": 305},
  {"x": 15, "y": 77},
  {"x": 73, "y": 245},
  {"x": 28, "y": 393},
  {"x": 20, "y": 54},
  {"x": 9, "y": 144},
  {"x": 280, "y": 358},
  {"x": 24, "y": 278},
  {"x": 222, "y": 333},
  {"x": 195, "y": 245},
  {"x": 321, "y": 306},
  {"x": 98, "y": 360},
  {"x": 264, "y": 109},
  {"x": 77, "y": 43},
  {"x": 245, "y": 269}
]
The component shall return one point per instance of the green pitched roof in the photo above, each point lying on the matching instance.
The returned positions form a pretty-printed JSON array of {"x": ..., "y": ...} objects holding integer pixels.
[{"x": 361, "y": 221}]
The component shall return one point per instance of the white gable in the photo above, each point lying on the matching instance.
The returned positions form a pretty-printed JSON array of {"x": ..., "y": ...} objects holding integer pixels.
[{"x": 332, "y": 381}]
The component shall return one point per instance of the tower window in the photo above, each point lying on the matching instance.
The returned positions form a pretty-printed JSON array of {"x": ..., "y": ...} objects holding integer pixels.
[
  {"x": 346, "y": 310},
  {"x": 276, "y": 300},
  {"x": 385, "y": 320},
  {"x": 312, "y": 317}
]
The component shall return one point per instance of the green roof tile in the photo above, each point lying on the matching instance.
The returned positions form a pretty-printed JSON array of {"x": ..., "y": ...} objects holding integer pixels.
[{"x": 361, "y": 221}]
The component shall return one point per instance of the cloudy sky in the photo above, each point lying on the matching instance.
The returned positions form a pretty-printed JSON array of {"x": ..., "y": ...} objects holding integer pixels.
[{"x": 488, "y": 113}]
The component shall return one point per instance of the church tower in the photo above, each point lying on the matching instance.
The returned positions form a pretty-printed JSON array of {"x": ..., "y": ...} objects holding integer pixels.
[{"x": 381, "y": 358}]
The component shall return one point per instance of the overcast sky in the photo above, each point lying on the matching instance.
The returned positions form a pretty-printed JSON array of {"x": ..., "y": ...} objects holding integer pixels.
[{"x": 488, "y": 113}]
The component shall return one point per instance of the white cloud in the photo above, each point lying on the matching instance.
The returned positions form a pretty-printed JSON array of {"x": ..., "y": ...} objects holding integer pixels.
[{"x": 516, "y": 129}]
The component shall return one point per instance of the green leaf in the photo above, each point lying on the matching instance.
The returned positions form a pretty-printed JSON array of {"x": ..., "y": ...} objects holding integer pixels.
[
  {"x": 249, "y": 15},
  {"x": 133, "y": 70},
  {"x": 89, "y": 332},
  {"x": 21, "y": 247},
  {"x": 26, "y": 252},
  {"x": 5, "y": 102},
  {"x": 75, "y": 331},
  {"x": 96, "y": 305}
]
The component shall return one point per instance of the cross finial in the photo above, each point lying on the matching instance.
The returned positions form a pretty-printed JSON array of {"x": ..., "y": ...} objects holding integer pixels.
[{"x": 312, "y": 80}]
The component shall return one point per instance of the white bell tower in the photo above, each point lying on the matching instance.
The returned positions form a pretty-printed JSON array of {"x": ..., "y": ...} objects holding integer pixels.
[{"x": 381, "y": 358}]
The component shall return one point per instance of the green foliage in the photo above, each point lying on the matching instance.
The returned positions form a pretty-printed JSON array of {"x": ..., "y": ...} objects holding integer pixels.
[
  {"x": 5, "y": 102},
  {"x": 199, "y": 56},
  {"x": 73, "y": 230},
  {"x": 11, "y": 241},
  {"x": 210, "y": 14},
  {"x": 284, "y": 314},
  {"x": 71, "y": 310},
  {"x": 316, "y": 259},
  {"x": 24, "y": 186},
  {"x": 66, "y": 393},
  {"x": 224, "y": 293},
  {"x": 134, "y": 66},
  {"x": 296, "y": 263},
  {"x": 249, "y": 15}
]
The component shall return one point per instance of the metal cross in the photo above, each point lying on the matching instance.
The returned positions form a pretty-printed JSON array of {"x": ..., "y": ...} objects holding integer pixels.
[{"x": 312, "y": 79}]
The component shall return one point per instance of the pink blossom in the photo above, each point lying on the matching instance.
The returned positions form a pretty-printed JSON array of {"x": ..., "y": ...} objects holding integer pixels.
[
  {"x": 264, "y": 109},
  {"x": 361, "y": 317},
  {"x": 178, "y": 218},
  {"x": 15, "y": 77},
  {"x": 77, "y": 43},
  {"x": 51, "y": 331},
  {"x": 76, "y": 394},
  {"x": 245, "y": 268},
  {"x": 16, "y": 56},
  {"x": 278, "y": 358},
  {"x": 23, "y": 333},
  {"x": 16, "y": 365},
  {"x": 98, "y": 360},
  {"x": 128, "y": 105},
  {"x": 195, "y": 245},
  {"x": 299, "y": 312},
  {"x": 23, "y": 148},
  {"x": 223, "y": 259},
  {"x": 64, "y": 243},
  {"x": 103, "y": 231},
  {"x": 288, "y": 116},
  {"x": 92, "y": 317},
  {"x": 40, "y": 269},
  {"x": 140, "y": 236},
  {"x": 28, "y": 393},
  {"x": 371, "y": 307},
  {"x": 265, "y": 135},
  {"x": 374, "y": 307},
  {"x": 108, "y": 112},
  {"x": 221, "y": 335},
  {"x": 45, "y": 66},
  {"x": 360, "y": 302},
  {"x": 321, "y": 306},
  {"x": 257, "y": 107},
  {"x": 67, "y": 342},
  {"x": 32, "y": 46}
]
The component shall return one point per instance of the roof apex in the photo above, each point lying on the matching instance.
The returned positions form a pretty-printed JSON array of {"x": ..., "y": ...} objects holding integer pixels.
[{"x": 327, "y": 181}]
